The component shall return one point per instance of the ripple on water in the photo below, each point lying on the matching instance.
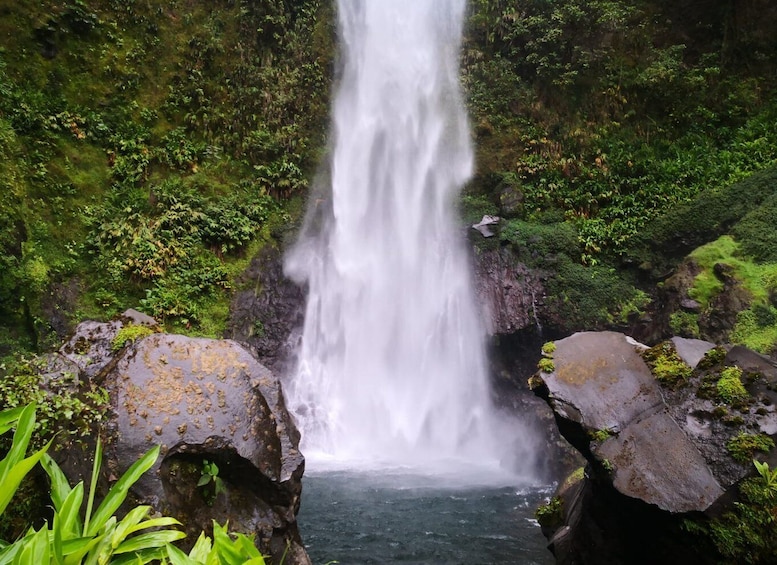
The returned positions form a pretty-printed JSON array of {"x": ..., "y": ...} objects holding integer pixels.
[{"x": 358, "y": 518}]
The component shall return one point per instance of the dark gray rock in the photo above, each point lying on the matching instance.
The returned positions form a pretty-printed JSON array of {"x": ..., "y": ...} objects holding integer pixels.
[
  {"x": 600, "y": 382},
  {"x": 267, "y": 311},
  {"x": 487, "y": 226},
  {"x": 209, "y": 399},
  {"x": 509, "y": 293},
  {"x": 691, "y": 351},
  {"x": 90, "y": 346},
  {"x": 656, "y": 454}
]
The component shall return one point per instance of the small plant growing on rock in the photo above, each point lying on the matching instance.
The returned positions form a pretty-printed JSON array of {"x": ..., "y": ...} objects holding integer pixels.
[
  {"x": 730, "y": 388},
  {"x": 550, "y": 514},
  {"x": 546, "y": 365},
  {"x": 548, "y": 349},
  {"x": 129, "y": 334},
  {"x": 743, "y": 446},
  {"x": 600, "y": 435},
  {"x": 714, "y": 356},
  {"x": 211, "y": 484},
  {"x": 666, "y": 365}
]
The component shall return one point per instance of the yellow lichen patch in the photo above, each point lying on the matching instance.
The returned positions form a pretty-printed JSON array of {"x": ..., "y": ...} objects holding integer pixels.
[{"x": 580, "y": 373}]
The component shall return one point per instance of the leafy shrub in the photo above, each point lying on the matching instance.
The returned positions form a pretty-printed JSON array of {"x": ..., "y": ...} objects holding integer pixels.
[
  {"x": 746, "y": 534},
  {"x": 756, "y": 233},
  {"x": 685, "y": 324},
  {"x": 548, "y": 348},
  {"x": 65, "y": 405},
  {"x": 551, "y": 514}
]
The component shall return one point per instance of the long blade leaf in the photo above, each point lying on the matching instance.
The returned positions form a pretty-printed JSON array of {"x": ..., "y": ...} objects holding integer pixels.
[
  {"x": 149, "y": 541},
  {"x": 9, "y": 417},
  {"x": 60, "y": 487},
  {"x": 13, "y": 476},
  {"x": 119, "y": 491},
  {"x": 98, "y": 459}
]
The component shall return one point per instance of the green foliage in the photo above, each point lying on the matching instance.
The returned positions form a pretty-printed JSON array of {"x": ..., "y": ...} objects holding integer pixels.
[
  {"x": 223, "y": 549},
  {"x": 743, "y": 446},
  {"x": 65, "y": 405},
  {"x": 746, "y": 534},
  {"x": 210, "y": 483},
  {"x": 546, "y": 365},
  {"x": 129, "y": 334},
  {"x": 78, "y": 533},
  {"x": 551, "y": 514},
  {"x": 666, "y": 365},
  {"x": 600, "y": 435},
  {"x": 713, "y": 357},
  {"x": 548, "y": 348},
  {"x": 730, "y": 388},
  {"x": 684, "y": 324},
  {"x": 756, "y": 232}
]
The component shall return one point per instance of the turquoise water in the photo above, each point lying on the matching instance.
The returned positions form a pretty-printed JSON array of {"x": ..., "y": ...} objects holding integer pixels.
[{"x": 378, "y": 517}]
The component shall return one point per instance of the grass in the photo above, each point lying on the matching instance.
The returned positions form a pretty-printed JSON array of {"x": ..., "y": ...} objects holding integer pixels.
[{"x": 756, "y": 327}]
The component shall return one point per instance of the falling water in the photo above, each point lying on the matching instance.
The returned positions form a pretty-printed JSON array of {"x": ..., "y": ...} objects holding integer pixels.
[{"x": 391, "y": 367}]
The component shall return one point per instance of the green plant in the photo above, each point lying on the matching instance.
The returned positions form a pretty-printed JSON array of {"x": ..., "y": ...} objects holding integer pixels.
[
  {"x": 222, "y": 550},
  {"x": 129, "y": 334},
  {"x": 210, "y": 482},
  {"x": 548, "y": 348},
  {"x": 730, "y": 388},
  {"x": 546, "y": 365},
  {"x": 68, "y": 539},
  {"x": 743, "y": 446},
  {"x": 666, "y": 365},
  {"x": 550, "y": 514},
  {"x": 600, "y": 435},
  {"x": 685, "y": 324},
  {"x": 65, "y": 404}
]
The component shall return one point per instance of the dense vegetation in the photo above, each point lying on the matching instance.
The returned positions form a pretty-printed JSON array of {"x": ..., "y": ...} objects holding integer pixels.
[
  {"x": 144, "y": 149},
  {"x": 148, "y": 150}
]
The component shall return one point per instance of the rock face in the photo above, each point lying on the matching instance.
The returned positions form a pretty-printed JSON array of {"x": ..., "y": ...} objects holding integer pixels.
[
  {"x": 656, "y": 453},
  {"x": 202, "y": 400},
  {"x": 268, "y": 311},
  {"x": 508, "y": 291}
]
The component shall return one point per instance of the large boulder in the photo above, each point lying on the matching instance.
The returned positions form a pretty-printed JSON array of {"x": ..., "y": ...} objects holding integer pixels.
[
  {"x": 656, "y": 433},
  {"x": 205, "y": 402}
]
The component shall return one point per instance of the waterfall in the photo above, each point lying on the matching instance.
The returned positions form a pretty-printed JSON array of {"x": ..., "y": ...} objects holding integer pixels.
[{"x": 391, "y": 366}]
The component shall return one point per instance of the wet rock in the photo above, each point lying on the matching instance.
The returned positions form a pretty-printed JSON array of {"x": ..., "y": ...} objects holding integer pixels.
[
  {"x": 657, "y": 453},
  {"x": 691, "y": 351},
  {"x": 487, "y": 226},
  {"x": 203, "y": 399},
  {"x": 267, "y": 312},
  {"x": 510, "y": 294},
  {"x": 200, "y": 400}
]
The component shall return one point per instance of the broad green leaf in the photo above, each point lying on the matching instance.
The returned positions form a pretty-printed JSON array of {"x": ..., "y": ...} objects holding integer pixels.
[
  {"x": 60, "y": 487},
  {"x": 255, "y": 561},
  {"x": 225, "y": 547},
  {"x": 201, "y": 549},
  {"x": 13, "y": 476},
  {"x": 152, "y": 555},
  {"x": 247, "y": 546},
  {"x": 68, "y": 516},
  {"x": 21, "y": 438},
  {"x": 155, "y": 523},
  {"x": 119, "y": 491},
  {"x": 149, "y": 540},
  {"x": 178, "y": 557},
  {"x": 124, "y": 528},
  {"x": 204, "y": 480},
  {"x": 9, "y": 417}
]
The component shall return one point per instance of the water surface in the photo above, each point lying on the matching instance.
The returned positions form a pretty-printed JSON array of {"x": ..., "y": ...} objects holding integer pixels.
[{"x": 388, "y": 517}]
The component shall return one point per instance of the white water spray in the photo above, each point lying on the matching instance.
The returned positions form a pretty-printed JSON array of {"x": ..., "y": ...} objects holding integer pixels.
[{"x": 392, "y": 367}]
